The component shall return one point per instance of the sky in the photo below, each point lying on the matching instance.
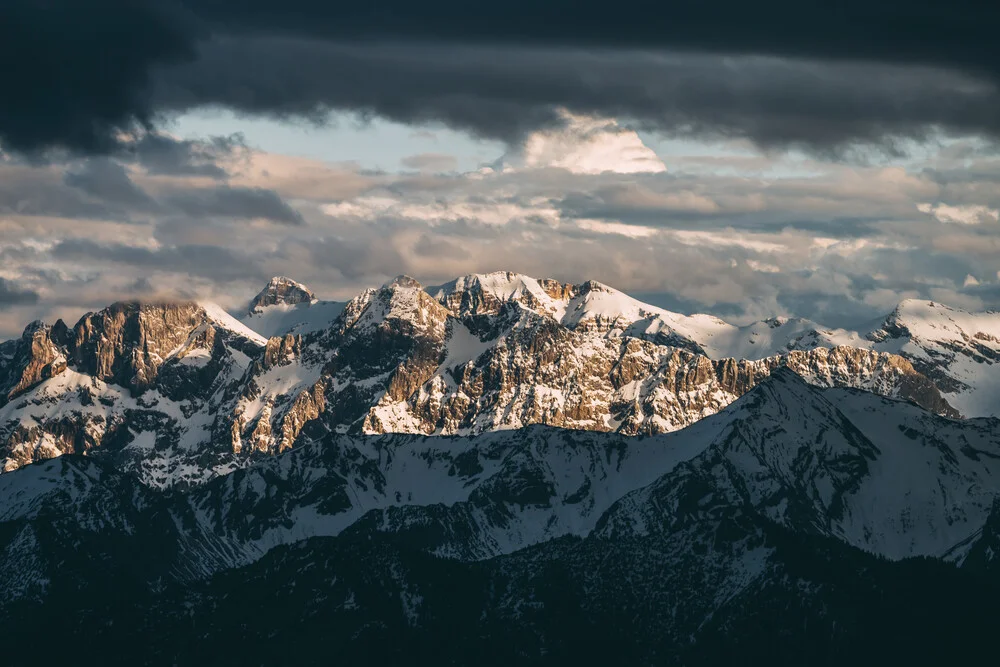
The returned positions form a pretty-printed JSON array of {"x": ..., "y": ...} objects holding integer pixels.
[{"x": 814, "y": 162}]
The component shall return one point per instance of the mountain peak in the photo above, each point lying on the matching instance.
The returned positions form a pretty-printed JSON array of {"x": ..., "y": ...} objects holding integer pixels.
[
  {"x": 595, "y": 286},
  {"x": 281, "y": 290},
  {"x": 403, "y": 280}
]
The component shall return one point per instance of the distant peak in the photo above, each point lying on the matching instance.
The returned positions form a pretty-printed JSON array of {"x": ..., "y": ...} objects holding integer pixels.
[
  {"x": 281, "y": 291},
  {"x": 595, "y": 286},
  {"x": 912, "y": 305},
  {"x": 403, "y": 281},
  {"x": 34, "y": 326}
]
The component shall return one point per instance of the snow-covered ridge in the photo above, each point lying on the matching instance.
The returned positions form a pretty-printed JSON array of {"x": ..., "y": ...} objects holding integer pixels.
[
  {"x": 166, "y": 383},
  {"x": 218, "y": 316},
  {"x": 959, "y": 349},
  {"x": 880, "y": 475},
  {"x": 594, "y": 305}
]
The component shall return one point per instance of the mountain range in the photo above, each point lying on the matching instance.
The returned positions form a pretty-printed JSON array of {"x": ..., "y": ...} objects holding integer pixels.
[{"x": 495, "y": 470}]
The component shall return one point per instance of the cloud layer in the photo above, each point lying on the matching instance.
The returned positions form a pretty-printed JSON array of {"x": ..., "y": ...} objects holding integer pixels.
[
  {"x": 779, "y": 74},
  {"x": 738, "y": 233}
]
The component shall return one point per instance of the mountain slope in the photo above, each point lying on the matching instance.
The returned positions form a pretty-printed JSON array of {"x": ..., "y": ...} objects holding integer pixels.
[
  {"x": 745, "y": 546},
  {"x": 880, "y": 475},
  {"x": 142, "y": 382},
  {"x": 877, "y": 474},
  {"x": 958, "y": 350}
]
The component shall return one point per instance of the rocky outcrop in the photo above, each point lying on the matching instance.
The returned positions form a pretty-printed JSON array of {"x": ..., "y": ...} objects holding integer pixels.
[
  {"x": 281, "y": 350},
  {"x": 281, "y": 291},
  {"x": 126, "y": 343},
  {"x": 140, "y": 378},
  {"x": 39, "y": 354},
  {"x": 487, "y": 294},
  {"x": 625, "y": 385},
  {"x": 398, "y": 361}
]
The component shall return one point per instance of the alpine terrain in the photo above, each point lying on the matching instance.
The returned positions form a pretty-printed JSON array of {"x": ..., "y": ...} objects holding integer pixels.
[{"x": 498, "y": 470}]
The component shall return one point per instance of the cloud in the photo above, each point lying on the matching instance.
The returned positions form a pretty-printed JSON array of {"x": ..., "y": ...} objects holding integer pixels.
[
  {"x": 160, "y": 154},
  {"x": 962, "y": 215},
  {"x": 779, "y": 234},
  {"x": 508, "y": 93},
  {"x": 234, "y": 202},
  {"x": 43, "y": 191},
  {"x": 79, "y": 69},
  {"x": 200, "y": 260},
  {"x": 777, "y": 74},
  {"x": 431, "y": 162},
  {"x": 108, "y": 180},
  {"x": 12, "y": 295},
  {"x": 588, "y": 145}
]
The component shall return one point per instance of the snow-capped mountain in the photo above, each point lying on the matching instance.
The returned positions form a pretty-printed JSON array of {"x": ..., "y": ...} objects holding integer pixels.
[
  {"x": 498, "y": 470},
  {"x": 885, "y": 476},
  {"x": 593, "y": 306},
  {"x": 285, "y": 306},
  {"x": 184, "y": 392},
  {"x": 881, "y": 475},
  {"x": 959, "y": 350},
  {"x": 143, "y": 382}
]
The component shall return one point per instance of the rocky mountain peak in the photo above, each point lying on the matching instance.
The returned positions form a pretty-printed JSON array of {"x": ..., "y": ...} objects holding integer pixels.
[
  {"x": 403, "y": 280},
  {"x": 281, "y": 291},
  {"x": 486, "y": 294},
  {"x": 594, "y": 286},
  {"x": 127, "y": 342},
  {"x": 30, "y": 360}
]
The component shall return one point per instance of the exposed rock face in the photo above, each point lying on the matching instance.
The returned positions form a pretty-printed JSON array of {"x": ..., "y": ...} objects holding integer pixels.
[
  {"x": 26, "y": 362},
  {"x": 282, "y": 350},
  {"x": 487, "y": 294},
  {"x": 281, "y": 291},
  {"x": 625, "y": 385},
  {"x": 133, "y": 379},
  {"x": 126, "y": 343},
  {"x": 401, "y": 362}
]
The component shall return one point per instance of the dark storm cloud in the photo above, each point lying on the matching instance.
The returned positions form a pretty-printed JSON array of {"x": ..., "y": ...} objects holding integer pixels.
[
  {"x": 953, "y": 32},
  {"x": 75, "y": 72},
  {"x": 45, "y": 193},
  {"x": 199, "y": 260},
  {"x": 85, "y": 71},
  {"x": 12, "y": 295},
  {"x": 163, "y": 155},
  {"x": 108, "y": 180},
  {"x": 234, "y": 202},
  {"x": 505, "y": 93}
]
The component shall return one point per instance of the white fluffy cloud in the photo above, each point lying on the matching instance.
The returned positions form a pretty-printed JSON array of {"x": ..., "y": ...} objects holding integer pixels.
[
  {"x": 962, "y": 215},
  {"x": 589, "y": 145}
]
